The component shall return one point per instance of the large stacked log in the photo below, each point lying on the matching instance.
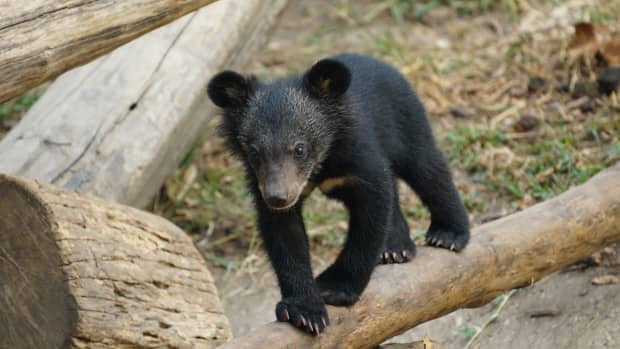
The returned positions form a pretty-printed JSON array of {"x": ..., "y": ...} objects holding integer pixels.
[
  {"x": 120, "y": 125},
  {"x": 511, "y": 252},
  {"x": 79, "y": 272},
  {"x": 40, "y": 39}
]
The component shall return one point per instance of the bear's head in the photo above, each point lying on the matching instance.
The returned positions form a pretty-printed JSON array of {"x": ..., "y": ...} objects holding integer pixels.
[{"x": 283, "y": 130}]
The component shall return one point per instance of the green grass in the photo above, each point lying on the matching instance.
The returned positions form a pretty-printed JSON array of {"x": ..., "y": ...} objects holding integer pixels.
[
  {"x": 417, "y": 9},
  {"x": 541, "y": 168},
  {"x": 473, "y": 202},
  {"x": 18, "y": 105},
  {"x": 469, "y": 332},
  {"x": 386, "y": 45},
  {"x": 598, "y": 15}
]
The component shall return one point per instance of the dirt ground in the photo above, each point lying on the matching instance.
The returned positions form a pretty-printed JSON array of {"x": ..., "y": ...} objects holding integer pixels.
[{"x": 565, "y": 310}]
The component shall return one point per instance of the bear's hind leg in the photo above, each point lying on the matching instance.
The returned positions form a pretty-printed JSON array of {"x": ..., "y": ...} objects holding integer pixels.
[
  {"x": 429, "y": 176},
  {"x": 398, "y": 247}
]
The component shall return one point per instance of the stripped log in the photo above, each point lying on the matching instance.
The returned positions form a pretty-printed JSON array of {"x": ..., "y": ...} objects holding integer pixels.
[
  {"x": 79, "y": 272},
  {"x": 512, "y": 252},
  {"x": 120, "y": 125},
  {"x": 40, "y": 39}
]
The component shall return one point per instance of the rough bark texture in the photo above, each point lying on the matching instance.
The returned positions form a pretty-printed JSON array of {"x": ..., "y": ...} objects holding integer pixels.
[
  {"x": 40, "y": 39},
  {"x": 79, "y": 272},
  {"x": 511, "y": 252},
  {"x": 120, "y": 125}
]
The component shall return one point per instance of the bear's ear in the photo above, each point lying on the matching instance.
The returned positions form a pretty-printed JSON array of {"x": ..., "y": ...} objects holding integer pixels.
[
  {"x": 230, "y": 90},
  {"x": 327, "y": 78}
]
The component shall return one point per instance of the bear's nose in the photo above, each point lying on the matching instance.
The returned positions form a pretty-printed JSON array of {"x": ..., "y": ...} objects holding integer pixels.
[
  {"x": 276, "y": 200},
  {"x": 275, "y": 190}
]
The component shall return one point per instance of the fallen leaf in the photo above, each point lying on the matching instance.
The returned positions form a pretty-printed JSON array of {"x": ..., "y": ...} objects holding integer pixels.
[
  {"x": 526, "y": 123},
  {"x": 584, "y": 35},
  {"x": 189, "y": 176},
  {"x": 609, "y": 52},
  {"x": 461, "y": 112},
  {"x": 595, "y": 41}
]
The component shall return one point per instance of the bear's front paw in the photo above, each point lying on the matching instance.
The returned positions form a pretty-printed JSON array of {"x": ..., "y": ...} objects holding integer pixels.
[
  {"x": 337, "y": 290},
  {"x": 452, "y": 239},
  {"x": 304, "y": 313},
  {"x": 399, "y": 250}
]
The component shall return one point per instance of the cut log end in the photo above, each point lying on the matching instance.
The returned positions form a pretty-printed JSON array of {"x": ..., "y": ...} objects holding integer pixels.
[
  {"x": 79, "y": 272},
  {"x": 38, "y": 309}
]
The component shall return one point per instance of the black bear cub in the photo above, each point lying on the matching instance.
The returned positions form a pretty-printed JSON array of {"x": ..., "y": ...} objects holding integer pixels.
[{"x": 350, "y": 126}]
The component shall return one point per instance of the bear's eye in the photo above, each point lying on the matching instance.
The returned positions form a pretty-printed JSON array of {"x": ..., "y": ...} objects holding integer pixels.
[{"x": 299, "y": 150}]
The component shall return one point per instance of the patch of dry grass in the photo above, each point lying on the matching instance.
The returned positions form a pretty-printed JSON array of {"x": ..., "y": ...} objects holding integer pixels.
[{"x": 472, "y": 72}]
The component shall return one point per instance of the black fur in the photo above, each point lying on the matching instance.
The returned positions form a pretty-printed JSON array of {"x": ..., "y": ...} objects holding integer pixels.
[{"x": 357, "y": 119}]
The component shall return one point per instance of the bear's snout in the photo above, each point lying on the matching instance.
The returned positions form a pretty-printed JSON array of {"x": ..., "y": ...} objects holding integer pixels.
[
  {"x": 281, "y": 185},
  {"x": 276, "y": 195}
]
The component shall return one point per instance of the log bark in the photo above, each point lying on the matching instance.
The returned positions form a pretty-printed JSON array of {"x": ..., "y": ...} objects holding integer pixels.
[
  {"x": 120, "y": 125},
  {"x": 511, "y": 252},
  {"x": 79, "y": 272},
  {"x": 40, "y": 39}
]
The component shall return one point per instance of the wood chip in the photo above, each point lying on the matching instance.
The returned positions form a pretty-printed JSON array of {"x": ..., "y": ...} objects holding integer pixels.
[
  {"x": 544, "y": 312},
  {"x": 605, "y": 280}
]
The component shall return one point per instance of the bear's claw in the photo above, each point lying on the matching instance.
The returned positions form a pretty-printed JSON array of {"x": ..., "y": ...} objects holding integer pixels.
[
  {"x": 447, "y": 238},
  {"x": 303, "y": 314}
]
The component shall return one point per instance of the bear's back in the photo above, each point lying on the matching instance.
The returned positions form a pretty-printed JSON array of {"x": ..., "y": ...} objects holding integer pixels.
[{"x": 384, "y": 104}]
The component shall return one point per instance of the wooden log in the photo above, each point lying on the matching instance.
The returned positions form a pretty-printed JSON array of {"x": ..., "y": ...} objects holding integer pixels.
[
  {"x": 80, "y": 272},
  {"x": 120, "y": 125},
  {"x": 511, "y": 252},
  {"x": 40, "y": 39}
]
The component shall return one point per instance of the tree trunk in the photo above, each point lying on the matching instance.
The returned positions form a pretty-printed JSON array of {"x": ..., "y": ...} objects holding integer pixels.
[
  {"x": 512, "y": 252},
  {"x": 120, "y": 125},
  {"x": 79, "y": 272},
  {"x": 40, "y": 39}
]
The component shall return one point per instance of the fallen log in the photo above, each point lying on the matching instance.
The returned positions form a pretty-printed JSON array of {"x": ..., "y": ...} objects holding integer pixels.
[
  {"x": 41, "y": 39},
  {"x": 79, "y": 272},
  {"x": 117, "y": 127},
  {"x": 509, "y": 253}
]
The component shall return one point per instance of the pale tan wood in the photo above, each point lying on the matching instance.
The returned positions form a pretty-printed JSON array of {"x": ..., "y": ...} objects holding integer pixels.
[
  {"x": 117, "y": 127},
  {"x": 80, "y": 272},
  {"x": 415, "y": 345},
  {"x": 511, "y": 252},
  {"x": 40, "y": 39}
]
